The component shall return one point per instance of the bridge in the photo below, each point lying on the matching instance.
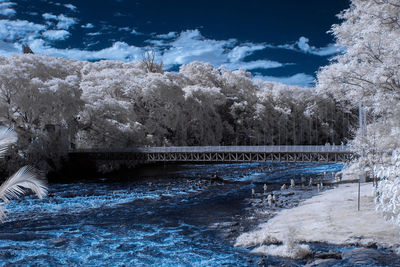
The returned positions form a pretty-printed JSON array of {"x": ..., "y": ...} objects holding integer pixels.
[{"x": 327, "y": 153}]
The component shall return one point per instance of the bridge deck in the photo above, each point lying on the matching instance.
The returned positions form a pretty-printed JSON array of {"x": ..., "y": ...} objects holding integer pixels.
[
  {"x": 203, "y": 149},
  {"x": 222, "y": 153}
]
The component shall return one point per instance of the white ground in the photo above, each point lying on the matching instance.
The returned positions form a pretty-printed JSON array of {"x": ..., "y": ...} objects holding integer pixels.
[{"x": 330, "y": 217}]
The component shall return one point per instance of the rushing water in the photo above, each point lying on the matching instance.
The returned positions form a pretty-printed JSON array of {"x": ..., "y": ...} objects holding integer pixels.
[{"x": 164, "y": 220}]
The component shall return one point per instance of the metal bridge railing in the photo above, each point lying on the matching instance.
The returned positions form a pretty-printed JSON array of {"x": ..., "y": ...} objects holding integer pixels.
[{"x": 228, "y": 149}]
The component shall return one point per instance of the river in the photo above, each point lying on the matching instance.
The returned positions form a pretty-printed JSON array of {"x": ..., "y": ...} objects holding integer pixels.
[{"x": 172, "y": 217}]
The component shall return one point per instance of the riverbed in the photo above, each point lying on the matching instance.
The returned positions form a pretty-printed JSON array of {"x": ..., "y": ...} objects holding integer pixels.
[{"x": 176, "y": 216}]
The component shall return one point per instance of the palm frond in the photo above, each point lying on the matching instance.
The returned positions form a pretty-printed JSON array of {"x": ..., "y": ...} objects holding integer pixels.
[
  {"x": 7, "y": 137},
  {"x": 24, "y": 178}
]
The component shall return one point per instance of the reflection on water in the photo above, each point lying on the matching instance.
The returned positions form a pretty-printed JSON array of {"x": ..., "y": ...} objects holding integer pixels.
[{"x": 165, "y": 220}]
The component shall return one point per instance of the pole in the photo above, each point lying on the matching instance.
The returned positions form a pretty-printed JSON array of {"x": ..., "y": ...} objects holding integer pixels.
[
  {"x": 362, "y": 125},
  {"x": 359, "y": 189}
]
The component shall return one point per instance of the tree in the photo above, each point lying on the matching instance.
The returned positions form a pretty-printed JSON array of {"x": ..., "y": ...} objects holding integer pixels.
[
  {"x": 149, "y": 60},
  {"x": 111, "y": 96},
  {"x": 36, "y": 92},
  {"x": 368, "y": 72}
]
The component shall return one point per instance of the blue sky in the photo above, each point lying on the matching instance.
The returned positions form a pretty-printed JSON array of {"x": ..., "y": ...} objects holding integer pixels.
[{"x": 283, "y": 41}]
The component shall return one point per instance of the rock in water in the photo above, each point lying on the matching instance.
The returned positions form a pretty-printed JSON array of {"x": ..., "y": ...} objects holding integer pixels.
[
  {"x": 322, "y": 263},
  {"x": 366, "y": 257}
]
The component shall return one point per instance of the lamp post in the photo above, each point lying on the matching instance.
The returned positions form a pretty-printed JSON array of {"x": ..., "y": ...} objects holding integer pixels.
[{"x": 362, "y": 124}]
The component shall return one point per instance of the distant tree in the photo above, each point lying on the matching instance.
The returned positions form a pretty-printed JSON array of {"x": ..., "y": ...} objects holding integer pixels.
[
  {"x": 149, "y": 60},
  {"x": 27, "y": 50}
]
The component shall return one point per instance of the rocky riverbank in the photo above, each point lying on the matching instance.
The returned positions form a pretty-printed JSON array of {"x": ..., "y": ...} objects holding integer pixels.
[{"x": 301, "y": 220}]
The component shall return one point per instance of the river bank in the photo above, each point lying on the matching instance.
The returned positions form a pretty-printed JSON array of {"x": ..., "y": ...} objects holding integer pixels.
[{"x": 330, "y": 217}]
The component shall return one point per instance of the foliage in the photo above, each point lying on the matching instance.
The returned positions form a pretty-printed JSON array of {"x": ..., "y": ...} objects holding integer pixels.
[
  {"x": 368, "y": 73},
  {"x": 55, "y": 104},
  {"x": 39, "y": 98}
]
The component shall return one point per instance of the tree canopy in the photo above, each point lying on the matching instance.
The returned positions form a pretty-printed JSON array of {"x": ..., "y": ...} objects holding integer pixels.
[{"x": 56, "y": 103}]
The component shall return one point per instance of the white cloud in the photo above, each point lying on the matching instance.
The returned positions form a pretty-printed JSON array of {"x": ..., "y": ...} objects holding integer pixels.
[
  {"x": 169, "y": 35},
  {"x": 56, "y": 34},
  {"x": 303, "y": 45},
  {"x": 94, "y": 33},
  {"x": 19, "y": 30},
  {"x": 158, "y": 43},
  {"x": 70, "y": 6},
  {"x": 127, "y": 29},
  {"x": 329, "y": 50},
  {"x": 131, "y": 30},
  {"x": 64, "y": 22},
  {"x": 7, "y": 49},
  {"x": 88, "y": 26},
  {"x": 118, "y": 51},
  {"x": 256, "y": 64},
  {"x": 191, "y": 46},
  {"x": 300, "y": 79},
  {"x": 134, "y": 32},
  {"x": 91, "y": 43},
  {"x": 238, "y": 53},
  {"x": 6, "y": 10}
]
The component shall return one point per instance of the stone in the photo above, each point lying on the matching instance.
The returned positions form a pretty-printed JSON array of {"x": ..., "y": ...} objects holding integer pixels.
[
  {"x": 327, "y": 255},
  {"x": 365, "y": 256},
  {"x": 322, "y": 263},
  {"x": 287, "y": 194},
  {"x": 59, "y": 241}
]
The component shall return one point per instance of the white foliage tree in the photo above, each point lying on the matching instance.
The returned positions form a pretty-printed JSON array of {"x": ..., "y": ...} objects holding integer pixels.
[
  {"x": 40, "y": 97},
  {"x": 110, "y": 94},
  {"x": 203, "y": 125},
  {"x": 368, "y": 73},
  {"x": 53, "y": 102}
]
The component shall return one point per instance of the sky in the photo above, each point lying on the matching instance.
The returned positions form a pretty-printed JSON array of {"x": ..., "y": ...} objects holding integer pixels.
[{"x": 283, "y": 41}]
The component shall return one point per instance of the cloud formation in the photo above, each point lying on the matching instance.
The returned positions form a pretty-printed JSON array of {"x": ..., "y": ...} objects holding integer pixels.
[
  {"x": 169, "y": 35},
  {"x": 19, "y": 30},
  {"x": 87, "y": 26},
  {"x": 329, "y": 50},
  {"x": 54, "y": 35},
  {"x": 252, "y": 65},
  {"x": 118, "y": 51},
  {"x": 191, "y": 46},
  {"x": 63, "y": 22},
  {"x": 302, "y": 45},
  {"x": 6, "y": 10},
  {"x": 70, "y": 6}
]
